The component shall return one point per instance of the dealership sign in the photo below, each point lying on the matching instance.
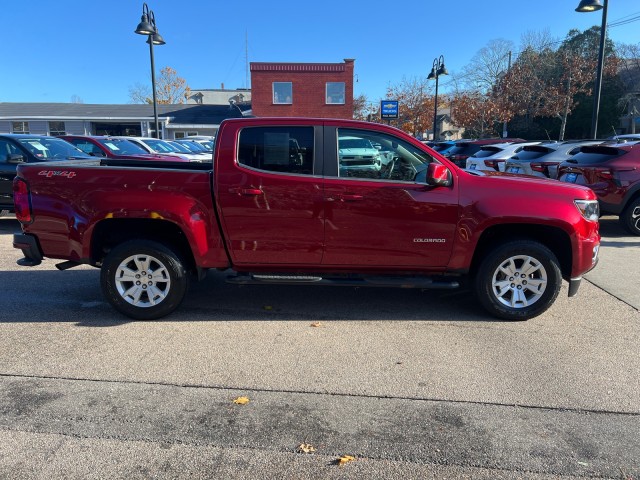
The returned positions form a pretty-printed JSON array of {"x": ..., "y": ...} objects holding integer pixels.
[{"x": 389, "y": 109}]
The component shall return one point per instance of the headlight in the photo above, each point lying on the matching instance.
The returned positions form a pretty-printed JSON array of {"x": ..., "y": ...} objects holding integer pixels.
[{"x": 589, "y": 209}]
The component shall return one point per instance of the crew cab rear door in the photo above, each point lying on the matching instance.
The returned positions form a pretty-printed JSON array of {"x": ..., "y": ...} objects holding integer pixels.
[
  {"x": 269, "y": 191},
  {"x": 379, "y": 210}
]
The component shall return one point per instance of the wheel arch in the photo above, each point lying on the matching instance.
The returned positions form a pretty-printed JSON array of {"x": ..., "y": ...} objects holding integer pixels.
[
  {"x": 109, "y": 233},
  {"x": 554, "y": 238}
]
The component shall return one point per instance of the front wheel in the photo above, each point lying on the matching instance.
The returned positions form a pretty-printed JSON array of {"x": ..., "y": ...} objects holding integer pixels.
[
  {"x": 518, "y": 280},
  {"x": 630, "y": 217},
  {"x": 143, "y": 279}
]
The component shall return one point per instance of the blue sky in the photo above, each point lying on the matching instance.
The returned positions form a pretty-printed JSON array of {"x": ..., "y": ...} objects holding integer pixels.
[{"x": 56, "y": 50}]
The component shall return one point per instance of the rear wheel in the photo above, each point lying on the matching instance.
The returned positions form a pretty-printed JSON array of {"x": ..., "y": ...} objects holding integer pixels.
[
  {"x": 630, "y": 217},
  {"x": 518, "y": 280},
  {"x": 143, "y": 279}
]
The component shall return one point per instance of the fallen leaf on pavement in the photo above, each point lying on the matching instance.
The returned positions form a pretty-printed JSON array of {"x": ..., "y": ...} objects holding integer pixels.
[
  {"x": 306, "y": 448},
  {"x": 316, "y": 324},
  {"x": 345, "y": 459},
  {"x": 241, "y": 400}
]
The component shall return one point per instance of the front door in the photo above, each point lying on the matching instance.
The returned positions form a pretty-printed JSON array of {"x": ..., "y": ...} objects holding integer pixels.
[
  {"x": 271, "y": 196},
  {"x": 379, "y": 210}
]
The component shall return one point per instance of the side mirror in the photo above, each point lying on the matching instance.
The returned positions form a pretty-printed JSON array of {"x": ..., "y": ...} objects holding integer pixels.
[
  {"x": 438, "y": 175},
  {"x": 15, "y": 158}
]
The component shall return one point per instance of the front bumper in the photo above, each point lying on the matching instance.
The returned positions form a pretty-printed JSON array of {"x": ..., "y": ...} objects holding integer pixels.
[{"x": 30, "y": 249}]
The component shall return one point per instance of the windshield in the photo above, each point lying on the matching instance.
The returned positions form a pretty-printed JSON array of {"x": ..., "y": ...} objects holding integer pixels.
[
  {"x": 46, "y": 148},
  {"x": 160, "y": 146},
  {"x": 193, "y": 147},
  {"x": 119, "y": 146},
  {"x": 180, "y": 148}
]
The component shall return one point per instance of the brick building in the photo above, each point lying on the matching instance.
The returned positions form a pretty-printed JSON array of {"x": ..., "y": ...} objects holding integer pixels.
[{"x": 322, "y": 90}]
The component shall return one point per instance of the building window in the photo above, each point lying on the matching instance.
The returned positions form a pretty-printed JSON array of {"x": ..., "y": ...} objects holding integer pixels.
[
  {"x": 277, "y": 149},
  {"x": 20, "y": 127},
  {"x": 335, "y": 93},
  {"x": 282, "y": 92},
  {"x": 56, "y": 129},
  {"x": 179, "y": 135}
]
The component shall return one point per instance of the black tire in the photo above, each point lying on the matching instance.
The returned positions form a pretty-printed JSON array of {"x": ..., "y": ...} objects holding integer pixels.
[
  {"x": 630, "y": 217},
  {"x": 531, "y": 289},
  {"x": 159, "y": 287}
]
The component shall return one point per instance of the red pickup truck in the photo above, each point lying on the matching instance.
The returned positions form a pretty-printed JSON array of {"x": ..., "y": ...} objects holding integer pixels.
[{"x": 283, "y": 202}]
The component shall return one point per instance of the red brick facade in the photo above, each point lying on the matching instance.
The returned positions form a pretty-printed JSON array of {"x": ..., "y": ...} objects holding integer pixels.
[{"x": 309, "y": 82}]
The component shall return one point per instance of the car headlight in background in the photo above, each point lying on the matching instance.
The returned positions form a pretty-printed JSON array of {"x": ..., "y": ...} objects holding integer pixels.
[{"x": 589, "y": 209}]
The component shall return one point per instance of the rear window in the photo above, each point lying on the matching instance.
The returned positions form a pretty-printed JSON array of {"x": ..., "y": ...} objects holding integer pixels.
[
  {"x": 122, "y": 147},
  {"x": 487, "y": 152},
  {"x": 593, "y": 155},
  {"x": 533, "y": 152},
  {"x": 464, "y": 149}
]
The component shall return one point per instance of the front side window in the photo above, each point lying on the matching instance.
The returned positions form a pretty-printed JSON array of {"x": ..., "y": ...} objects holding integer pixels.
[
  {"x": 378, "y": 156},
  {"x": 20, "y": 127},
  {"x": 277, "y": 149},
  {"x": 282, "y": 92},
  {"x": 335, "y": 93},
  {"x": 56, "y": 129},
  {"x": 6, "y": 149}
]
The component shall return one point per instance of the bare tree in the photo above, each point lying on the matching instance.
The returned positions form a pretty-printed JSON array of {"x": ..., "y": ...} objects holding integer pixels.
[
  {"x": 487, "y": 66},
  {"x": 415, "y": 112}
]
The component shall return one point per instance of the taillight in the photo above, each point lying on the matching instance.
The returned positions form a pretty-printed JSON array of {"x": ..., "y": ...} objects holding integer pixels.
[
  {"x": 493, "y": 163},
  {"x": 604, "y": 173},
  {"x": 22, "y": 200},
  {"x": 537, "y": 167}
]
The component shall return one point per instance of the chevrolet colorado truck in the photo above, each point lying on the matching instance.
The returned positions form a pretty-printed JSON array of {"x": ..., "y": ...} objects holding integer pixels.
[{"x": 276, "y": 205}]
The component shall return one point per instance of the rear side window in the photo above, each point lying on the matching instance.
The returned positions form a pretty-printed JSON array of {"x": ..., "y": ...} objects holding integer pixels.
[{"x": 277, "y": 149}]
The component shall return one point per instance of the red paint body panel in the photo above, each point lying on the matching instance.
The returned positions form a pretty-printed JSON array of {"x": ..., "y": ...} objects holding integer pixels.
[{"x": 254, "y": 220}]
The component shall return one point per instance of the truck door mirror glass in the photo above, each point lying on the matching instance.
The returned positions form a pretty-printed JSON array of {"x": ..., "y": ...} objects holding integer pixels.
[
  {"x": 438, "y": 175},
  {"x": 15, "y": 158}
]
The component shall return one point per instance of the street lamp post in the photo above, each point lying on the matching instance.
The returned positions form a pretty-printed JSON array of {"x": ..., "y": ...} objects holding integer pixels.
[
  {"x": 147, "y": 26},
  {"x": 437, "y": 69},
  {"x": 592, "y": 6}
]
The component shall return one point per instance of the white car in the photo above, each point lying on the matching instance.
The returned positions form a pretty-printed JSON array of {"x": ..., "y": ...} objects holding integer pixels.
[
  {"x": 494, "y": 157},
  {"x": 358, "y": 155},
  {"x": 154, "y": 145},
  {"x": 543, "y": 160}
]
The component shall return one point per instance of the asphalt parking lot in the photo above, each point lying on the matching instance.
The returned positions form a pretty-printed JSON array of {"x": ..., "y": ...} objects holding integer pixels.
[{"x": 411, "y": 384}]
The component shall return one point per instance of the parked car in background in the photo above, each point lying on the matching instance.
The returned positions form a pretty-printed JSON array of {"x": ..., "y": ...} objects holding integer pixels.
[
  {"x": 16, "y": 149},
  {"x": 543, "y": 160},
  {"x": 357, "y": 155},
  {"x": 493, "y": 157},
  {"x": 194, "y": 145},
  {"x": 443, "y": 147},
  {"x": 612, "y": 171},
  {"x": 628, "y": 137},
  {"x": 118, "y": 148},
  {"x": 198, "y": 155},
  {"x": 155, "y": 145},
  {"x": 465, "y": 148},
  {"x": 207, "y": 141}
]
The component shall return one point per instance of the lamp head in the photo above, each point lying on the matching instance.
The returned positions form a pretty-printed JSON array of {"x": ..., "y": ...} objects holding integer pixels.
[
  {"x": 147, "y": 24},
  {"x": 589, "y": 6},
  {"x": 432, "y": 75},
  {"x": 156, "y": 39}
]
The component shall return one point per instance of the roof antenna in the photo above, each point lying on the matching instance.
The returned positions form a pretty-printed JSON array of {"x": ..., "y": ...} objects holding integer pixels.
[{"x": 548, "y": 136}]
